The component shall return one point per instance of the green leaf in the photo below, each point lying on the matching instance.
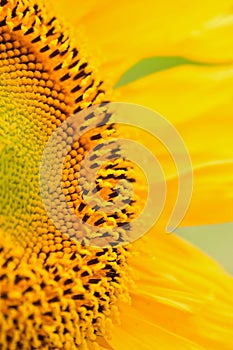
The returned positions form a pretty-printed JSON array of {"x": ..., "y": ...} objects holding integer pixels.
[{"x": 155, "y": 64}]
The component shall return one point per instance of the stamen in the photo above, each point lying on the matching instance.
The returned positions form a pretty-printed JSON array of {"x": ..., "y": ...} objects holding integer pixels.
[{"x": 62, "y": 292}]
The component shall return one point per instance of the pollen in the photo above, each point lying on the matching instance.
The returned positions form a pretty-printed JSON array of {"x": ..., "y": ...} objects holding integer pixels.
[{"x": 56, "y": 293}]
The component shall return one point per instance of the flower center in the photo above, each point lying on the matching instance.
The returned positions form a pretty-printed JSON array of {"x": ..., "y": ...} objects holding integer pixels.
[{"x": 56, "y": 292}]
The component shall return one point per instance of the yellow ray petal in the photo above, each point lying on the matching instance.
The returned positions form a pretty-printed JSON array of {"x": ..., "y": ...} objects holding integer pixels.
[
  {"x": 182, "y": 290},
  {"x": 173, "y": 263},
  {"x": 125, "y": 32},
  {"x": 212, "y": 41},
  {"x": 208, "y": 136},
  {"x": 137, "y": 333},
  {"x": 181, "y": 93},
  {"x": 198, "y": 101},
  {"x": 212, "y": 196}
]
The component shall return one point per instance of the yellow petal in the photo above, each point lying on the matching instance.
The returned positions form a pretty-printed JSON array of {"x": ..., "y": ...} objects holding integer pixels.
[
  {"x": 198, "y": 101},
  {"x": 213, "y": 41},
  {"x": 125, "y": 32},
  {"x": 212, "y": 196},
  {"x": 208, "y": 136},
  {"x": 137, "y": 333},
  {"x": 181, "y": 290},
  {"x": 181, "y": 93}
]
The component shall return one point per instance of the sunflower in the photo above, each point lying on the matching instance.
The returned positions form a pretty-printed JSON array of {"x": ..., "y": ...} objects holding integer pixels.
[{"x": 159, "y": 292}]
